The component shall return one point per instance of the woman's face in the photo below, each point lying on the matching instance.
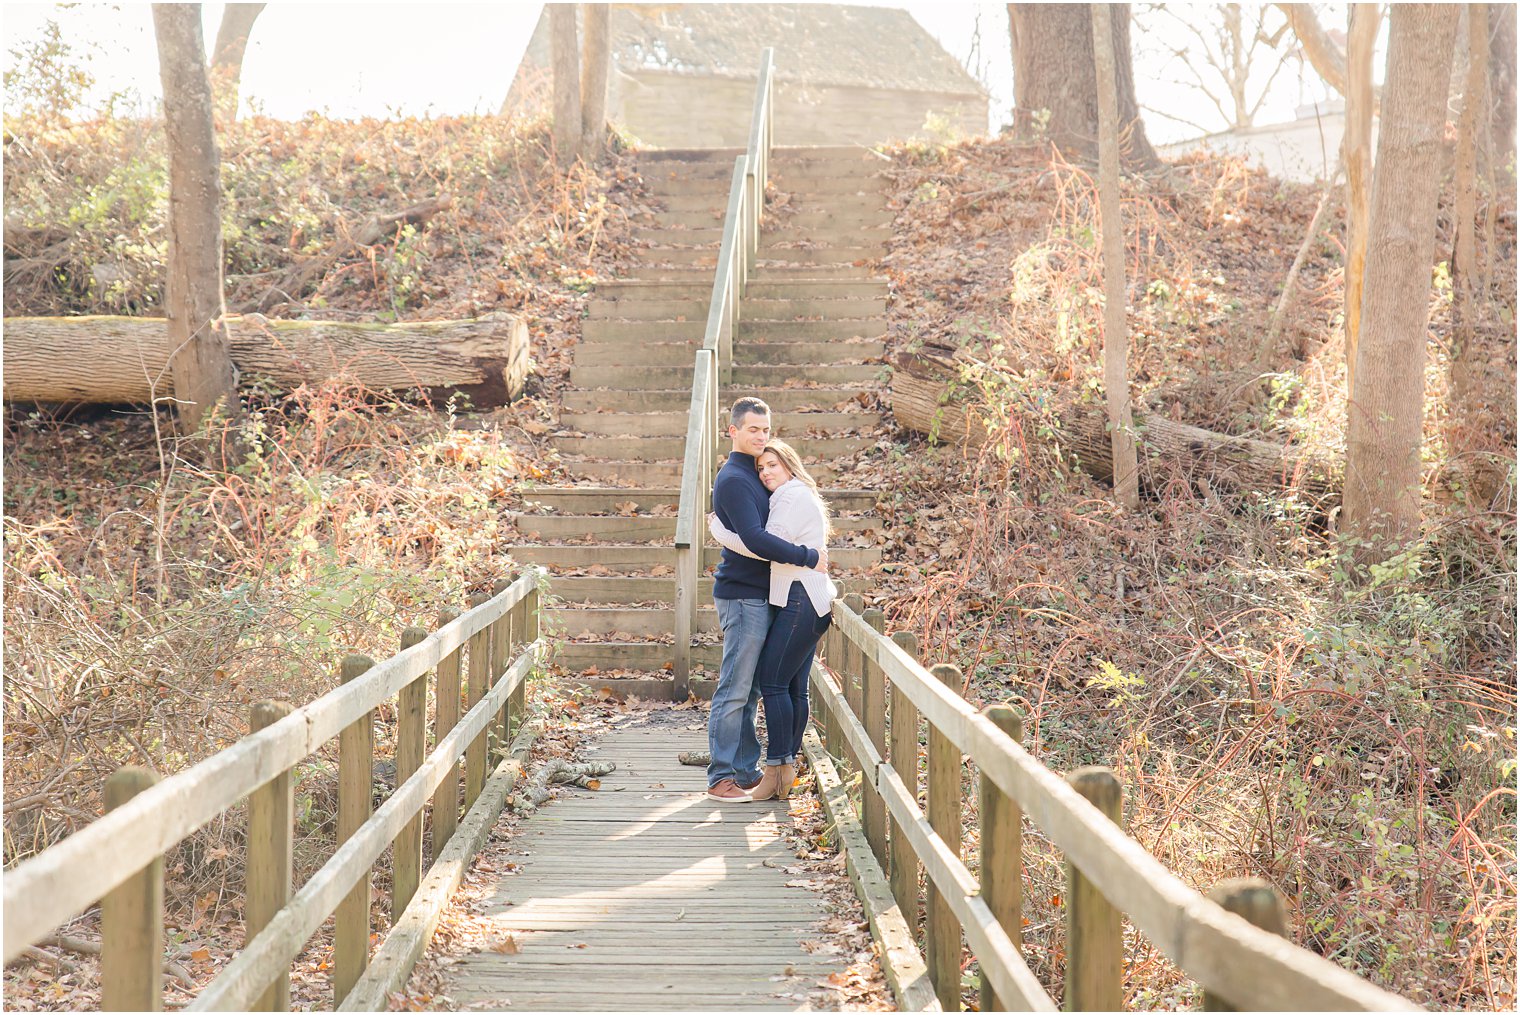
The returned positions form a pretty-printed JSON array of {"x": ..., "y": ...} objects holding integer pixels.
[{"x": 772, "y": 473}]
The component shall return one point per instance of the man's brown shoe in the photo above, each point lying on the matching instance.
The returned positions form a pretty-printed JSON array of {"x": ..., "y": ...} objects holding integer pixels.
[{"x": 728, "y": 792}]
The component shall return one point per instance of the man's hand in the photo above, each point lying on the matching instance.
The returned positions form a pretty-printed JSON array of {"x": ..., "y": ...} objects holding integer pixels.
[{"x": 823, "y": 561}]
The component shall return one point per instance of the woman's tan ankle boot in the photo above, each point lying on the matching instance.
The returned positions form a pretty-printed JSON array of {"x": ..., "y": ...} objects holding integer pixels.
[
  {"x": 788, "y": 775},
  {"x": 770, "y": 781}
]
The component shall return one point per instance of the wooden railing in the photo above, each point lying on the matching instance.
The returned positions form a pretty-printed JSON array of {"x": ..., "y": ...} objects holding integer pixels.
[
  {"x": 715, "y": 363},
  {"x": 871, "y": 706},
  {"x": 119, "y": 858}
]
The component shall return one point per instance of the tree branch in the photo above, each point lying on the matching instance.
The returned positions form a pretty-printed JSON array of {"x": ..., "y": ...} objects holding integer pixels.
[{"x": 1324, "y": 55}]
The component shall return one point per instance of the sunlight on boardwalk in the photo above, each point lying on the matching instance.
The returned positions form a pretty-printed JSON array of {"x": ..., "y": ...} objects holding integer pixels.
[{"x": 647, "y": 895}]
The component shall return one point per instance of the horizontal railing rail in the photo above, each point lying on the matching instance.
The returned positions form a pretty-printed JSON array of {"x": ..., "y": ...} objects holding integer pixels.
[
  {"x": 1109, "y": 874},
  {"x": 714, "y": 366},
  {"x": 119, "y": 858}
]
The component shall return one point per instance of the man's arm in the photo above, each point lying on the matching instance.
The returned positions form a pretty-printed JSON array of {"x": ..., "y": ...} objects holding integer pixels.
[{"x": 736, "y": 510}]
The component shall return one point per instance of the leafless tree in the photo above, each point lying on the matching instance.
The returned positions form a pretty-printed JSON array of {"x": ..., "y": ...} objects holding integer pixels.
[
  {"x": 1230, "y": 54},
  {"x": 1386, "y": 412},
  {"x": 227, "y": 55}
]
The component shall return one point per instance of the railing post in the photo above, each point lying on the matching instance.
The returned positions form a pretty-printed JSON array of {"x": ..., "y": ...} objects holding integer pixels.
[
  {"x": 1002, "y": 836},
  {"x": 132, "y": 919},
  {"x": 1094, "y": 931},
  {"x": 942, "y": 933},
  {"x": 411, "y": 748},
  {"x": 873, "y": 709},
  {"x": 833, "y": 654},
  {"x": 528, "y": 627},
  {"x": 446, "y": 717},
  {"x": 480, "y": 671},
  {"x": 1258, "y": 902},
  {"x": 851, "y": 661},
  {"x": 271, "y": 833},
  {"x": 501, "y": 658},
  {"x": 903, "y": 752},
  {"x": 356, "y": 797}
]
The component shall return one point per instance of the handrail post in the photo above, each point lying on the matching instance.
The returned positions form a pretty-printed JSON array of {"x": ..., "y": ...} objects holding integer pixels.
[
  {"x": 356, "y": 797},
  {"x": 479, "y": 671},
  {"x": 501, "y": 658},
  {"x": 833, "y": 654},
  {"x": 271, "y": 832},
  {"x": 528, "y": 626},
  {"x": 903, "y": 752},
  {"x": 852, "y": 662},
  {"x": 446, "y": 717},
  {"x": 411, "y": 748},
  {"x": 873, "y": 715},
  {"x": 132, "y": 919},
  {"x": 1094, "y": 930},
  {"x": 942, "y": 934},
  {"x": 1259, "y": 904},
  {"x": 1002, "y": 851}
]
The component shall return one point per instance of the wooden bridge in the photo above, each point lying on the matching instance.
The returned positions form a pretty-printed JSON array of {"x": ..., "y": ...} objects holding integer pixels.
[{"x": 646, "y": 895}]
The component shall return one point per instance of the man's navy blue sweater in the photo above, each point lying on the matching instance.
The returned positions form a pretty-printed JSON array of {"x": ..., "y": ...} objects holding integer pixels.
[{"x": 743, "y": 504}]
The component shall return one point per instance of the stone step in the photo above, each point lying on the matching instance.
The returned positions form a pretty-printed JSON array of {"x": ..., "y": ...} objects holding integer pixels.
[
  {"x": 665, "y": 378},
  {"x": 690, "y": 273},
  {"x": 643, "y": 474},
  {"x": 644, "y": 589},
  {"x": 603, "y": 621},
  {"x": 670, "y": 354},
  {"x": 634, "y": 529},
  {"x": 781, "y": 332},
  {"x": 752, "y": 307},
  {"x": 673, "y": 424},
  {"x": 701, "y": 289},
  {"x": 801, "y": 183},
  {"x": 580, "y": 656},
  {"x": 586, "y": 500},
  {"x": 716, "y": 204},
  {"x": 826, "y": 398},
  {"x": 671, "y": 449},
  {"x": 631, "y": 559},
  {"x": 860, "y": 234}
]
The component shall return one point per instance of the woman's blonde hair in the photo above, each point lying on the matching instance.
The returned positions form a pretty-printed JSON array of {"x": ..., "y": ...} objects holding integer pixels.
[{"x": 793, "y": 463}]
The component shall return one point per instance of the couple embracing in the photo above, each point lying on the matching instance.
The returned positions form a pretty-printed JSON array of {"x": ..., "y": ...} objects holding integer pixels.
[{"x": 773, "y": 593}]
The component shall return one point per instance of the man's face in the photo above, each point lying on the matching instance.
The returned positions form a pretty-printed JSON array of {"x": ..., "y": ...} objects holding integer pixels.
[{"x": 750, "y": 435}]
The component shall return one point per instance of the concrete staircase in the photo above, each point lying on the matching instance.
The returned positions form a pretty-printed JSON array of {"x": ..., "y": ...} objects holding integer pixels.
[{"x": 810, "y": 344}]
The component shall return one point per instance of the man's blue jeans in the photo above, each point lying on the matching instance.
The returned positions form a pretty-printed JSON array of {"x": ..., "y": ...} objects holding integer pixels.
[{"x": 731, "y": 722}]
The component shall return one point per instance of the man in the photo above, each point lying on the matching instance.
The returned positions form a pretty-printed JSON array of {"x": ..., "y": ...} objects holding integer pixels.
[{"x": 741, "y": 592}]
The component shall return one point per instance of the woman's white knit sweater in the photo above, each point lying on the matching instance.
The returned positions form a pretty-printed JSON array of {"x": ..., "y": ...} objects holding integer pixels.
[{"x": 798, "y": 516}]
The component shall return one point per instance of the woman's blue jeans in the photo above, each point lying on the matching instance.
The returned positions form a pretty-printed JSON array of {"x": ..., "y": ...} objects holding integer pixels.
[{"x": 786, "y": 660}]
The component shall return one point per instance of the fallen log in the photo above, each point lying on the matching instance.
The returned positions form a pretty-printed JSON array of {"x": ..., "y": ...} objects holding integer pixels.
[
  {"x": 929, "y": 397},
  {"x": 126, "y": 359}
]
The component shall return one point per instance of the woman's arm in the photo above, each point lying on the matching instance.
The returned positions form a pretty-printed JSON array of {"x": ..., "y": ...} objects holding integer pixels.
[{"x": 726, "y": 537}]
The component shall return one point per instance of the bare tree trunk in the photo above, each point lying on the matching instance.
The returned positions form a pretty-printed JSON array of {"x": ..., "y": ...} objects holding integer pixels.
[
  {"x": 1053, "y": 73},
  {"x": 1385, "y": 415},
  {"x": 596, "y": 59},
  {"x": 1356, "y": 153},
  {"x": 567, "y": 83},
  {"x": 227, "y": 55},
  {"x": 1501, "y": 38},
  {"x": 199, "y": 358},
  {"x": 1121, "y": 421},
  {"x": 1323, "y": 54},
  {"x": 1464, "y": 247}
]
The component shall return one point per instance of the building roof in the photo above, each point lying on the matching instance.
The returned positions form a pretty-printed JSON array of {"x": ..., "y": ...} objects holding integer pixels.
[{"x": 815, "y": 44}]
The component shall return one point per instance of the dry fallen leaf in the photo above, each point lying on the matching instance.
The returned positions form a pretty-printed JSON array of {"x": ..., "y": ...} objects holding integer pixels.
[{"x": 507, "y": 946}]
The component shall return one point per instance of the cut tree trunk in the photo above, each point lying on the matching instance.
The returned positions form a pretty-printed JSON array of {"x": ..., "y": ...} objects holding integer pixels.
[
  {"x": 1054, "y": 73},
  {"x": 928, "y": 397},
  {"x": 196, "y": 343},
  {"x": 596, "y": 61},
  {"x": 1385, "y": 413},
  {"x": 122, "y": 359}
]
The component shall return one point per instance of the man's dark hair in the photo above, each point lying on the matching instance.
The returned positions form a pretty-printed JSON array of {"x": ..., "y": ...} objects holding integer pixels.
[{"x": 746, "y": 405}]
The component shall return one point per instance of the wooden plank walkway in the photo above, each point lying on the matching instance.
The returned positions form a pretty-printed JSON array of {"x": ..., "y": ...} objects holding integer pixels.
[{"x": 646, "y": 895}]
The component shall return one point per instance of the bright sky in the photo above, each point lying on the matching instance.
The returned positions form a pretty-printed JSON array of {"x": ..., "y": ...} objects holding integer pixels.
[{"x": 382, "y": 59}]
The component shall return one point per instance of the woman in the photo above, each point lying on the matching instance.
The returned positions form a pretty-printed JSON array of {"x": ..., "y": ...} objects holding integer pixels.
[{"x": 798, "y": 515}]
